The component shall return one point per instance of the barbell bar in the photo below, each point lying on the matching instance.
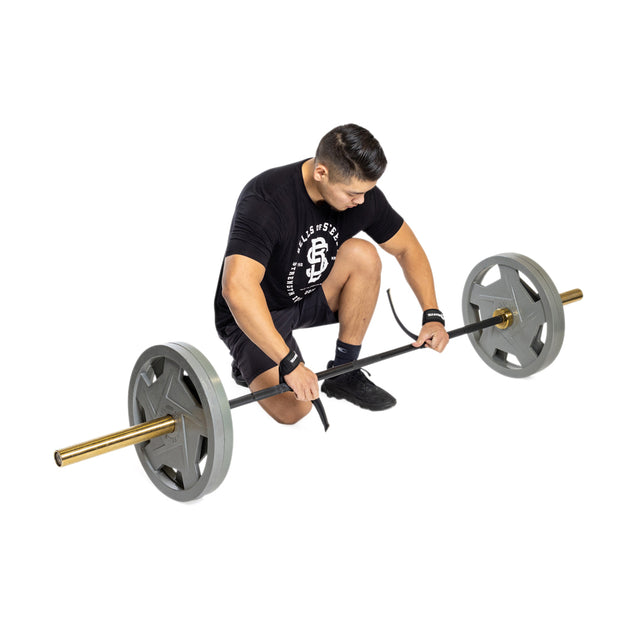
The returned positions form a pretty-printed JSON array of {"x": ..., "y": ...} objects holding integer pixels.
[
  {"x": 166, "y": 424},
  {"x": 181, "y": 416}
]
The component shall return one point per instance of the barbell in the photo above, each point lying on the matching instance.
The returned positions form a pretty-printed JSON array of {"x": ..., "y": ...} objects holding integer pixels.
[{"x": 181, "y": 415}]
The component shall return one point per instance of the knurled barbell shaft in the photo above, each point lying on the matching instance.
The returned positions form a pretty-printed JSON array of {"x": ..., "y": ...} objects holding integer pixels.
[
  {"x": 263, "y": 394},
  {"x": 133, "y": 435},
  {"x": 161, "y": 426}
]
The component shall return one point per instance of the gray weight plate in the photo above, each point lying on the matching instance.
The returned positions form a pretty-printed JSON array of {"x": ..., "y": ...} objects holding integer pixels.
[
  {"x": 176, "y": 379},
  {"x": 535, "y": 337}
]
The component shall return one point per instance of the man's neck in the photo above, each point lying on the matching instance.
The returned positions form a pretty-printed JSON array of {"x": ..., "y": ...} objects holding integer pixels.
[{"x": 309, "y": 183}]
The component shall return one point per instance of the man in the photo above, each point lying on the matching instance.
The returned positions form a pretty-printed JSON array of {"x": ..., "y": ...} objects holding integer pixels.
[{"x": 292, "y": 262}]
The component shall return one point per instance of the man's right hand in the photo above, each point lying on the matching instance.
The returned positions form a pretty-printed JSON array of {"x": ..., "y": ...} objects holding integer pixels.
[{"x": 303, "y": 383}]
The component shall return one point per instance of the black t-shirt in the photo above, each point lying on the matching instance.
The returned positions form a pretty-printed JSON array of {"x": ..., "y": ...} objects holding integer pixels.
[{"x": 277, "y": 224}]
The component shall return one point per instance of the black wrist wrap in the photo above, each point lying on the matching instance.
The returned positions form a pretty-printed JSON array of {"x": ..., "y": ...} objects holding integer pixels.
[
  {"x": 433, "y": 315},
  {"x": 289, "y": 363}
]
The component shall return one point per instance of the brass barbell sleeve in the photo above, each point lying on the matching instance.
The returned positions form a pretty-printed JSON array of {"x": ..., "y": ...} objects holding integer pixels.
[
  {"x": 571, "y": 296},
  {"x": 133, "y": 435}
]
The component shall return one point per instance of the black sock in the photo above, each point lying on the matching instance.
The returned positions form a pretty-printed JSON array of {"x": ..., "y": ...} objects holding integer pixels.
[{"x": 346, "y": 353}]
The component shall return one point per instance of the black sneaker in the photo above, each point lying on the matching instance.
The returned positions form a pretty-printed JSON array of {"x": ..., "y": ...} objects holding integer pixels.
[
  {"x": 355, "y": 387},
  {"x": 237, "y": 376}
]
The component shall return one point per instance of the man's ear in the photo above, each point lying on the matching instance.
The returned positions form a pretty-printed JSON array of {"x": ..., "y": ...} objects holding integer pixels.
[{"x": 320, "y": 173}]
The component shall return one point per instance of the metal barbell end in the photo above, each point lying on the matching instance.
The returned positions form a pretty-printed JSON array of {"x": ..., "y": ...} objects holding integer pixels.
[
  {"x": 118, "y": 440},
  {"x": 567, "y": 297},
  {"x": 571, "y": 296}
]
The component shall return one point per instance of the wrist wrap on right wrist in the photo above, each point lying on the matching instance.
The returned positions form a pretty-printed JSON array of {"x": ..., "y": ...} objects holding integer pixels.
[{"x": 289, "y": 363}]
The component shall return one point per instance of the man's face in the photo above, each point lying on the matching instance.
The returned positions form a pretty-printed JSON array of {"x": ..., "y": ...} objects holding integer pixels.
[{"x": 343, "y": 195}]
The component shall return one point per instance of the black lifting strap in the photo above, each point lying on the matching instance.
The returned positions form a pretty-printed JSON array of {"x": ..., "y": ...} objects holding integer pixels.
[
  {"x": 317, "y": 403},
  {"x": 395, "y": 315}
]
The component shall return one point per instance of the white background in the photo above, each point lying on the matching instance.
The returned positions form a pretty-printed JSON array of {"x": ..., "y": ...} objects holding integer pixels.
[{"x": 479, "y": 507}]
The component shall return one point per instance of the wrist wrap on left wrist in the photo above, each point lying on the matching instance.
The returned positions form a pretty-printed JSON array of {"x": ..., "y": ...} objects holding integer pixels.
[{"x": 433, "y": 315}]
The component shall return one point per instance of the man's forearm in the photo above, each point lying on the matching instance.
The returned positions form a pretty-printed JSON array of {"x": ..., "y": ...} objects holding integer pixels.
[
  {"x": 406, "y": 249},
  {"x": 249, "y": 308},
  {"x": 417, "y": 272}
]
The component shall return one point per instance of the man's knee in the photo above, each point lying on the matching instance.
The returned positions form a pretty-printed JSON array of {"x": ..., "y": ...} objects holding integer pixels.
[
  {"x": 285, "y": 409},
  {"x": 361, "y": 254}
]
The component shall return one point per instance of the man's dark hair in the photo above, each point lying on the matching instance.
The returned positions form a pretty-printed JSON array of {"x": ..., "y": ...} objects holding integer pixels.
[{"x": 350, "y": 151}]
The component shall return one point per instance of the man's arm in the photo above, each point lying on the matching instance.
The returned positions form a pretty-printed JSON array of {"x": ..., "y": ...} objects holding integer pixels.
[
  {"x": 241, "y": 278},
  {"x": 404, "y": 246}
]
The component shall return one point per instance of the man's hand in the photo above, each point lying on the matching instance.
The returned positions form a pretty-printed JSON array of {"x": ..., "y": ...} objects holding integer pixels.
[
  {"x": 434, "y": 336},
  {"x": 304, "y": 383}
]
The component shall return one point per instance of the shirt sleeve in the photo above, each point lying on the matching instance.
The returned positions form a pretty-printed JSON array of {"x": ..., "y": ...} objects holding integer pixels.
[
  {"x": 385, "y": 222},
  {"x": 255, "y": 230}
]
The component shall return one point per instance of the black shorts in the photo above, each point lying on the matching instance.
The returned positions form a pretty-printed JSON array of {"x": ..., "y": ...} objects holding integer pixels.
[{"x": 312, "y": 311}]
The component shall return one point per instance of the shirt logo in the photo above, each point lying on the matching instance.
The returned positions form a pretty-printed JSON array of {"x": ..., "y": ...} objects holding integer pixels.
[
  {"x": 317, "y": 258},
  {"x": 313, "y": 259}
]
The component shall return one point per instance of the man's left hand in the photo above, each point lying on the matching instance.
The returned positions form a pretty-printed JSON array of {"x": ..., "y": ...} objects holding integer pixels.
[{"x": 434, "y": 336}]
